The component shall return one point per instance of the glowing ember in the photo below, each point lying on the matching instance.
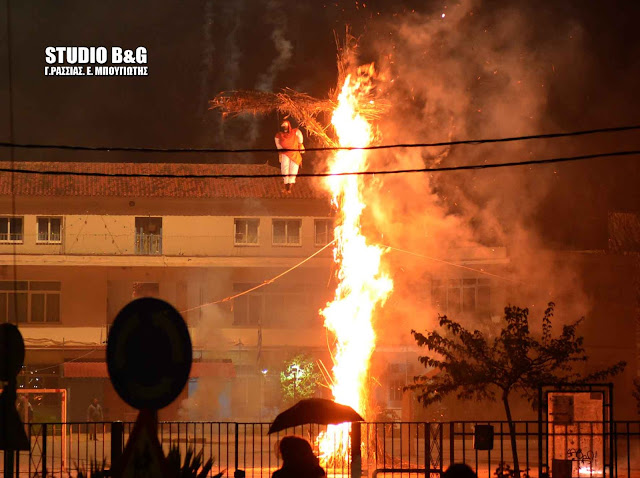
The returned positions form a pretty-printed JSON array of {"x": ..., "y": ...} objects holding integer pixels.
[
  {"x": 587, "y": 470},
  {"x": 362, "y": 286}
]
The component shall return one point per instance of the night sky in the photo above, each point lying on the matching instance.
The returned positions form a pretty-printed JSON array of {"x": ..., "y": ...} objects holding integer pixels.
[{"x": 197, "y": 49}]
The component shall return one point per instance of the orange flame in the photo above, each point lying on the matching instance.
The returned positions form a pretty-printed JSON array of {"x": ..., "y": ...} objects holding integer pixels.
[{"x": 362, "y": 285}]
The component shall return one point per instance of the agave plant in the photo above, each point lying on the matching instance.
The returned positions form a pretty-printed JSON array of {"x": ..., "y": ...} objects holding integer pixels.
[
  {"x": 95, "y": 471},
  {"x": 192, "y": 467}
]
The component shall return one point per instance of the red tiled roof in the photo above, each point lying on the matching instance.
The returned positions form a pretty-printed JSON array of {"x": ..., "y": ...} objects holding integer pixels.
[
  {"x": 26, "y": 184},
  {"x": 85, "y": 370}
]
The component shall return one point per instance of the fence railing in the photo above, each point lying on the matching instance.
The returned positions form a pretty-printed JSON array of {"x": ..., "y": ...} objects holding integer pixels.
[
  {"x": 399, "y": 448},
  {"x": 148, "y": 244}
]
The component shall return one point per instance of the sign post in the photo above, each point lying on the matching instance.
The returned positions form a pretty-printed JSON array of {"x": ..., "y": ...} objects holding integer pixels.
[{"x": 149, "y": 358}]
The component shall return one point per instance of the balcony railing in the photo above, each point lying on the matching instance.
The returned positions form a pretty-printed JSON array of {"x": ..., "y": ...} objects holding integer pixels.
[
  {"x": 148, "y": 244},
  {"x": 53, "y": 237},
  {"x": 13, "y": 237}
]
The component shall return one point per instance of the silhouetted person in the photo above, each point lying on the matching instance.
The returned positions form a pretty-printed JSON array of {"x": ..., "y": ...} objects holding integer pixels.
[
  {"x": 459, "y": 470},
  {"x": 94, "y": 414},
  {"x": 25, "y": 410},
  {"x": 298, "y": 460}
]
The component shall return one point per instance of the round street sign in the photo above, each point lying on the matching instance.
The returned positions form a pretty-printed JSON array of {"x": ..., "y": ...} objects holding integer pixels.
[
  {"x": 149, "y": 353},
  {"x": 11, "y": 352}
]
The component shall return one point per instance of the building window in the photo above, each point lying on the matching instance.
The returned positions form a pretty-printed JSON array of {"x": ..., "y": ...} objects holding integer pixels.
[
  {"x": 149, "y": 235},
  {"x": 248, "y": 309},
  {"x": 246, "y": 232},
  {"x": 29, "y": 301},
  {"x": 461, "y": 295},
  {"x": 49, "y": 230},
  {"x": 397, "y": 368},
  {"x": 293, "y": 305},
  {"x": 145, "y": 289},
  {"x": 286, "y": 232},
  {"x": 10, "y": 229},
  {"x": 323, "y": 231},
  {"x": 396, "y": 390}
]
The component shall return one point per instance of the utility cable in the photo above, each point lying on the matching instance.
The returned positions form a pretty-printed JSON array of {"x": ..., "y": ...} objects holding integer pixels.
[
  {"x": 262, "y": 284},
  {"x": 507, "y": 139},
  {"x": 273, "y": 279},
  {"x": 463, "y": 167},
  {"x": 14, "y": 250},
  {"x": 66, "y": 361},
  {"x": 453, "y": 264}
]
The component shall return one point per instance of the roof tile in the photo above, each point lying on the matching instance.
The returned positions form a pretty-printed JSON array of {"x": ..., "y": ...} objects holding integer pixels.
[{"x": 29, "y": 184}]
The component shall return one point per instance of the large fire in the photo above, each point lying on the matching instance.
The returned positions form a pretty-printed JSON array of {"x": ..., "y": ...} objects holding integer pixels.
[{"x": 362, "y": 285}]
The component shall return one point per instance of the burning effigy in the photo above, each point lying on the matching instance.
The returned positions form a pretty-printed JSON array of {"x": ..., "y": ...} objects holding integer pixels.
[
  {"x": 311, "y": 113},
  {"x": 363, "y": 285}
]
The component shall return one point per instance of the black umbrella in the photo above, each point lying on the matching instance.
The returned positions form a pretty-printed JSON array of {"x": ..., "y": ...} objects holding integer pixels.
[{"x": 314, "y": 410}]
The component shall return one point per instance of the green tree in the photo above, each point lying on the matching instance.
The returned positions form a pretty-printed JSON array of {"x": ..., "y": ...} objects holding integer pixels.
[
  {"x": 476, "y": 367},
  {"x": 299, "y": 379}
]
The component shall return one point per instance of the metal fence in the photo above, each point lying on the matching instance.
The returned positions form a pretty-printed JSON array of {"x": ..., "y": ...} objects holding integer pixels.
[{"x": 398, "y": 448}]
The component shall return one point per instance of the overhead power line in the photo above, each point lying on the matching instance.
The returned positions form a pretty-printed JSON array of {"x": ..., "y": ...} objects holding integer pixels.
[
  {"x": 463, "y": 167},
  {"x": 262, "y": 284},
  {"x": 68, "y": 147}
]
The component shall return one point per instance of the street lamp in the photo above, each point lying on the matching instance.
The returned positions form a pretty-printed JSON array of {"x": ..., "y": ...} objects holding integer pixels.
[
  {"x": 296, "y": 369},
  {"x": 262, "y": 380}
]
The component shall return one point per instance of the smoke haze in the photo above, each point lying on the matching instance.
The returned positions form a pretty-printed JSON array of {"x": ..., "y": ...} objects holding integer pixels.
[{"x": 462, "y": 72}]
